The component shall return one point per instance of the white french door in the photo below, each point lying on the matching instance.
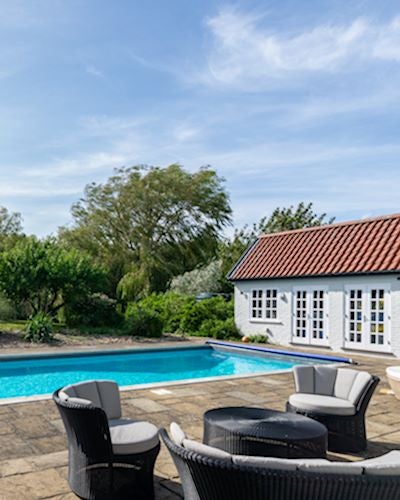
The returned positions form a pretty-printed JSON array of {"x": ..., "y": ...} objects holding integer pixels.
[
  {"x": 367, "y": 317},
  {"x": 310, "y": 315}
]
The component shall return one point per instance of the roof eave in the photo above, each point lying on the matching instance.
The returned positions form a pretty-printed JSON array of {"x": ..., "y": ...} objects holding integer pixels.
[
  {"x": 326, "y": 275},
  {"x": 243, "y": 256}
]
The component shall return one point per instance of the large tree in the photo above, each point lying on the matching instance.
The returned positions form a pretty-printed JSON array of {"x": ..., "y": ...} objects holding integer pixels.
[
  {"x": 10, "y": 222},
  {"x": 10, "y": 228},
  {"x": 151, "y": 223},
  {"x": 46, "y": 276}
]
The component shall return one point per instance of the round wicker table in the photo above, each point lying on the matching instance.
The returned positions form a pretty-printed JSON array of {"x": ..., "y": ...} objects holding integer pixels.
[{"x": 263, "y": 432}]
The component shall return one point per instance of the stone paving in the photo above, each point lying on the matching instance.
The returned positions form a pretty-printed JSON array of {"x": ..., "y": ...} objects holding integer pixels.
[{"x": 33, "y": 462}]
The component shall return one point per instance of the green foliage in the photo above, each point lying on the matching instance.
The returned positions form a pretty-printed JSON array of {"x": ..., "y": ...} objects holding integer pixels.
[
  {"x": 7, "y": 310},
  {"x": 181, "y": 313},
  {"x": 203, "y": 279},
  {"x": 222, "y": 329},
  {"x": 260, "y": 338},
  {"x": 95, "y": 310},
  {"x": 157, "y": 223},
  {"x": 39, "y": 328},
  {"x": 141, "y": 322},
  {"x": 133, "y": 285},
  {"x": 10, "y": 223},
  {"x": 10, "y": 228},
  {"x": 169, "y": 307},
  {"x": 195, "y": 313},
  {"x": 46, "y": 276},
  {"x": 287, "y": 219}
]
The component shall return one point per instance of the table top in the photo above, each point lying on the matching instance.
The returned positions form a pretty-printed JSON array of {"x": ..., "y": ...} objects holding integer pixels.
[{"x": 264, "y": 422}]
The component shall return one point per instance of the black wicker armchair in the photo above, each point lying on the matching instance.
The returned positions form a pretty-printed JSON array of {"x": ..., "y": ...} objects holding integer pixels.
[
  {"x": 338, "y": 398},
  {"x": 104, "y": 462},
  {"x": 207, "y": 478}
]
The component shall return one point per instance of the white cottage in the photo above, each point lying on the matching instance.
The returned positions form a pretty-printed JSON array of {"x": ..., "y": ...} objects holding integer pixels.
[{"x": 335, "y": 286}]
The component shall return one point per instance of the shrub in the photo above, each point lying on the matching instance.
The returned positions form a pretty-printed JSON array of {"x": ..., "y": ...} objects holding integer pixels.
[
  {"x": 7, "y": 311},
  {"x": 195, "y": 313},
  {"x": 178, "y": 312},
  {"x": 96, "y": 310},
  {"x": 220, "y": 329},
  {"x": 141, "y": 322},
  {"x": 203, "y": 279},
  {"x": 260, "y": 338},
  {"x": 39, "y": 328},
  {"x": 169, "y": 307}
]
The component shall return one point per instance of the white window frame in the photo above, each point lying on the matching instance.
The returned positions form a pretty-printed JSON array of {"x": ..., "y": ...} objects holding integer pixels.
[
  {"x": 365, "y": 344},
  {"x": 264, "y": 298},
  {"x": 308, "y": 339}
]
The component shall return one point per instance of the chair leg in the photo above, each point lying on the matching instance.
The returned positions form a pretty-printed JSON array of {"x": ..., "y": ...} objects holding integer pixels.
[{"x": 138, "y": 480}]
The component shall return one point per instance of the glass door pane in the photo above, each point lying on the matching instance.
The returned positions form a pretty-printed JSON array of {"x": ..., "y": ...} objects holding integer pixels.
[
  {"x": 378, "y": 318},
  {"x": 318, "y": 314},
  {"x": 355, "y": 315},
  {"x": 301, "y": 333}
]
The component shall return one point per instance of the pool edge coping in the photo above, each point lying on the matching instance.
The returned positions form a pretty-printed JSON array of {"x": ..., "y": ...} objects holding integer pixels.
[
  {"x": 152, "y": 385},
  {"x": 283, "y": 352}
]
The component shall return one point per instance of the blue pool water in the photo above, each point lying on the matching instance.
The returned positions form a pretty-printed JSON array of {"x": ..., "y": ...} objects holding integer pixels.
[{"x": 43, "y": 375}]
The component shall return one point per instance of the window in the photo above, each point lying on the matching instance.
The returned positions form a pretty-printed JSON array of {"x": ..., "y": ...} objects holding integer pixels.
[
  {"x": 256, "y": 304},
  {"x": 271, "y": 304},
  {"x": 264, "y": 304}
]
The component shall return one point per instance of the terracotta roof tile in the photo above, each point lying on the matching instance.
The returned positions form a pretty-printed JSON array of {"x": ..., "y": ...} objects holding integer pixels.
[{"x": 364, "y": 246}]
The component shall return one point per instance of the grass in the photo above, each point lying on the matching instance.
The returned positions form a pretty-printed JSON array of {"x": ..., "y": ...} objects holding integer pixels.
[{"x": 15, "y": 325}]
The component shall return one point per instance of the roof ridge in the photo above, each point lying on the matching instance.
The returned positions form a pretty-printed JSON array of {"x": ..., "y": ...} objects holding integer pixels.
[{"x": 335, "y": 224}]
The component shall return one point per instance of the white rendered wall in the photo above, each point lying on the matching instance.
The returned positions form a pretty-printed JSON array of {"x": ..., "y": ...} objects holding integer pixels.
[{"x": 280, "y": 331}]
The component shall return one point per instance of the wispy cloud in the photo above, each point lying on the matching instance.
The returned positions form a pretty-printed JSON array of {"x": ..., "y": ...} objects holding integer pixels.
[
  {"x": 245, "y": 51},
  {"x": 94, "y": 71}
]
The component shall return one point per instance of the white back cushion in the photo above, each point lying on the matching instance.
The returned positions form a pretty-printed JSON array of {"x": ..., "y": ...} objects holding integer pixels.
[
  {"x": 110, "y": 398},
  {"x": 85, "y": 390},
  {"x": 385, "y": 465},
  {"x": 265, "y": 462},
  {"x": 204, "y": 449},
  {"x": 344, "y": 382},
  {"x": 80, "y": 401},
  {"x": 304, "y": 379},
  {"x": 177, "y": 434},
  {"x": 359, "y": 385},
  {"x": 102, "y": 393},
  {"x": 324, "y": 380},
  {"x": 324, "y": 466}
]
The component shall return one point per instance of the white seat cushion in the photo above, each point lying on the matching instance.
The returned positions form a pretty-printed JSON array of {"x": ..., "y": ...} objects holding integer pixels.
[
  {"x": 385, "y": 465},
  {"x": 265, "y": 462},
  {"x": 322, "y": 404},
  {"x": 129, "y": 437}
]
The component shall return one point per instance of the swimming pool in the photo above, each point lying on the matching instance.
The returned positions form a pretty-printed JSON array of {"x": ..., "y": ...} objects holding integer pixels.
[{"x": 41, "y": 375}]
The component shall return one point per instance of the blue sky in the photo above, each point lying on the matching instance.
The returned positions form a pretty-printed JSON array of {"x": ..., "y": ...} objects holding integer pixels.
[{"x": 287, "y": 100}]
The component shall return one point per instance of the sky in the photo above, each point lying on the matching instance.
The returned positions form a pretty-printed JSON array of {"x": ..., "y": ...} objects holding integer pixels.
[{"x": 289, "y": 101}]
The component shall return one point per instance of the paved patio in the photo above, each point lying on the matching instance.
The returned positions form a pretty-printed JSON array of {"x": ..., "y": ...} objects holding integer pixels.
[{"x": 34, "y": 461}]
